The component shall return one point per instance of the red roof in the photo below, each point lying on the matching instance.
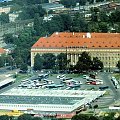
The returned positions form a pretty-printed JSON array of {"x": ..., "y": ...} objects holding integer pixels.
[
  {"x": 89, "y": 40},
  {"x": 2, "y": 51}
]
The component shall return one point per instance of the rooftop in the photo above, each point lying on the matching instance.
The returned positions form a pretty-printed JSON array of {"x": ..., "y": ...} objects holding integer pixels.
[
  {"x": 47, "y": 100},
  {"x": 89, "y": 40},
  {"x": 2, "y": 51}
]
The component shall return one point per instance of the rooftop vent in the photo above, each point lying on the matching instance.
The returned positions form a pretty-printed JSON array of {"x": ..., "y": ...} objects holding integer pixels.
[
  {"x": 88, "y": 35},
  {"x": 56, "y": 33},
  {"x": 83, "y": 36}
]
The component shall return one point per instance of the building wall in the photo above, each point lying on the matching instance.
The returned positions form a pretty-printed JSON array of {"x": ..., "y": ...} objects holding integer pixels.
[
  {"x": 4, "y": 9},
  {"x": 109, "y": 57},
  {"x": 51, "y": 1}
]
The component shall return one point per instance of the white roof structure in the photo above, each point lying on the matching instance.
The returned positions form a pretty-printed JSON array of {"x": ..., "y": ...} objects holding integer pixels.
[
  {"x": 6, "y": 81},
  {"x": 47, "y": 100}
]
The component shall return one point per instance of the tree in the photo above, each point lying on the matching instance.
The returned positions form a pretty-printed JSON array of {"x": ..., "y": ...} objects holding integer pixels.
[
  {"x": 84, "y": 63},
  {"x": 80, "y": 117},
  {"x": 8, "y": 38},
  {"x": 38, "y": 62},
  {"x": 93, "y": 118},
  {"x": 103, "y": 16},
  {"x": 18, "y": 61},
  {"x": 79, "y": 24},
  {"x": 118, "y": 65},
  {"x": 5, "y": 117},
  {"x": 38, "y": 25},
  {"x": 37, "y": 118},
  {"x": 48, "y": 60},
  {"x": 62, "y": 61},
  {"x": 4, "y": 18},
  {"x": 118, "y": 118},
  {"x": 93, "y": 27},
  {"x": 115, "y": 16},
  {"x": 94, "y": 16},
  {"x": 68, "y": 3},
  {"x": 25, "y": 117},
  {"x": 24, "y": 67},
  {"x": 82, "y": 2},
  {"x": 1, "y": 61},
  {"x": 103, "y": 27},
  {"x": 67, "y": 21},
  {"x": 97, "y": 64}
]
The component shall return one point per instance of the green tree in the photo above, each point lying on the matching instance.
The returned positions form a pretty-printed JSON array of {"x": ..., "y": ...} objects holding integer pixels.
[
  {"x": 79, "y": 24},
  {"x": 24, "y": 67},
  {"x": 118, "y": 118},
  {"x": 8, "y": 38},
  {"x": 25, "y": 117},
  {"x": 97, "y": 64},
  {"x": 103, "y": 27},
  {"x": 118, "y": 65},
  {"x": 93, "y": 27},
  {"x": 84, "y": 62},
  {"x": 93, "y": 118},
  {"x": 67, "y": 21},
  {"x": 62, "y": 61},
  {"x": 103, "y": 16},
  {"x": 115, "y": 16},
  {"x": 95, "y": 15},
  {"x": 18, "y": 61},
  {"x": 38, "y": 25},
  {"x": 30, "y": 11},
  {"x": 68, "y": 3},
  {"x": 5, "y": 117},
  {"x": 37, "y": 118},
  {"x": 82, "y": 2},
  {"x": 48, "y": 60},
  {"x": 4, "y": 18},
  {"x": 80, "y": 117},
  {"x": 38, "y": 62},
  {"x": 2, "y": 61}
]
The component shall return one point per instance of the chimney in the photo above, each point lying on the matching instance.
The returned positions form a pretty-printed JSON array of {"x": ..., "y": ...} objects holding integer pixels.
[
  {"x": 88, "y": 35},
  {"x": 56, "y": 33},
  {"x": 83, "y": 36}
]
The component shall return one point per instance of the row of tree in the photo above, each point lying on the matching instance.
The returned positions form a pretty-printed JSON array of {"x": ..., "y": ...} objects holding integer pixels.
[
  {"x": 60, "y": 62},
  {"x": 99, "y": 22},
  {"x": 76, "y": 117}
]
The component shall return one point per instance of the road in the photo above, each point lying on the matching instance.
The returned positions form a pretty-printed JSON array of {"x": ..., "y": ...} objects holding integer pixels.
[{"x": 115, "y": 92}]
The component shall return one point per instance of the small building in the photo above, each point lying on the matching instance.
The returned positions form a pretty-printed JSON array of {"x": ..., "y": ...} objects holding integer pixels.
[
  {"x": 2, "y": 51},
  {"x": 54, "y": 1},
  {"x": 13, "y": 16},
  {"x": 5, "y": 9},
  {"x": 52, "y": 6}
]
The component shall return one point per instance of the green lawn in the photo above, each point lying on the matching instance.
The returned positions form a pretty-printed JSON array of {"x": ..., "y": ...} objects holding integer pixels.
[
  {"x": 117, "y": 76},
  {"x": 22, "y": 76}
]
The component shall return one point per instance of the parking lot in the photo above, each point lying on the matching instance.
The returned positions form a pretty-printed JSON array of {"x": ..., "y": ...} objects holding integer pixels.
[
  {"x": 45, "y": 81},
  {"x": 63, "y": 81}
]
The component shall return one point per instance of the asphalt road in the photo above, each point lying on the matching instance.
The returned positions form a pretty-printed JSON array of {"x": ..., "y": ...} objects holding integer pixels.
[{"x": 114, "y": 92}]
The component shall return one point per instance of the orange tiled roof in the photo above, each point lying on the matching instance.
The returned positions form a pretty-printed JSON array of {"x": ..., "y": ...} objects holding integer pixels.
[
  {"x": 2, "y": 51},
  {"x": 65, "y": 39}
]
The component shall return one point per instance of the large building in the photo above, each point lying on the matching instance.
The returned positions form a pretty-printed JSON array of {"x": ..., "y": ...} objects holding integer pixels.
[
  {"x": 40, "y": 101},
  {"x": 105, "y": 46}
]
